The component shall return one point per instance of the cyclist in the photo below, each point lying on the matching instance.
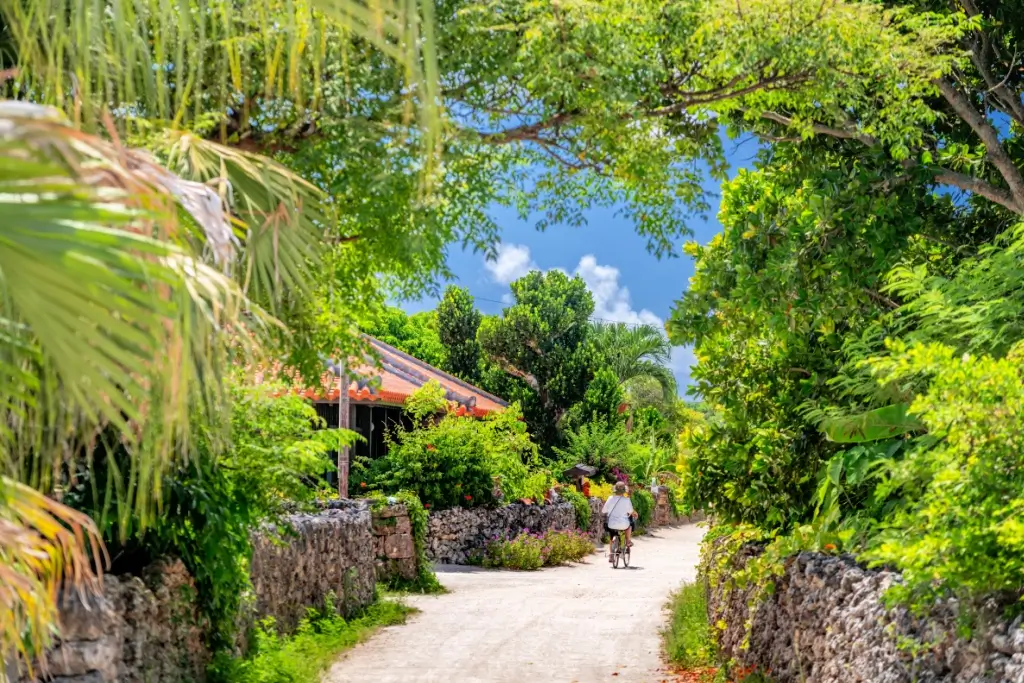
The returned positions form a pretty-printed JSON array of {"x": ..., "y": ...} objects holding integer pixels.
[{"x": 618, "y": 511}]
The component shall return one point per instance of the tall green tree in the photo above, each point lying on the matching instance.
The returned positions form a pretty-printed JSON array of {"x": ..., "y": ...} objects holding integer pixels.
[
  {"x": 415, "y": 334},
  {"x": 540, "y": 343},
  {"x": 457, "y": 325}
]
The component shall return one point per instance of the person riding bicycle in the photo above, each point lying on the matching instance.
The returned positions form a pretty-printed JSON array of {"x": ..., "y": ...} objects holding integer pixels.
[{"x": 618, "y": 511}]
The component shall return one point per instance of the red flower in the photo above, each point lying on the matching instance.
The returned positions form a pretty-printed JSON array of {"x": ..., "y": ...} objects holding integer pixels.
[
  {"x": 430, "y": 447},
  {"x": 426, "y": 506},
  {"x": 362, "y": 484},
  {"x": 469, "y": 497},
  {"x": 830, "y": 547}
]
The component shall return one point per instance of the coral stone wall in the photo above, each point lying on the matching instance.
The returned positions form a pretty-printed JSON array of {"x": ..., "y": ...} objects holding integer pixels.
[
  {"x": 137, "y": 630},
  {"x": 394, "y": 546},
  {"x": 147, "y": 630},
  {"x": 454, "y": 535},
  {"x": 332, "y": 551},
  {"x": 826, "y": 623}
]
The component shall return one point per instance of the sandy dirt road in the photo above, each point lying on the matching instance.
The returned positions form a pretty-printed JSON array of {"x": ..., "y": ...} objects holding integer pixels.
[{"x": 583, "y": 623}]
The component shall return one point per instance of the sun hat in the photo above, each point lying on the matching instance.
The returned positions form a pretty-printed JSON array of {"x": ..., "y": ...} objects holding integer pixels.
[{"x": 620, "y": 487}]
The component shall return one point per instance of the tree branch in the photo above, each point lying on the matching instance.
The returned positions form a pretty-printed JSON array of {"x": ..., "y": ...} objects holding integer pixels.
[
  {"x": 995, "y": 151},
  {"x": 841, "y": 133},
  {"x": 943, "y": 176},
  {"x": 880, "y": 298}
]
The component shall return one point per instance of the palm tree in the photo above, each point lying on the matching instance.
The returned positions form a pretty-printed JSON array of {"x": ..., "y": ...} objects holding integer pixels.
[
  {"x": 131, "y": 278},
  {"x": 638, "y": 354}
]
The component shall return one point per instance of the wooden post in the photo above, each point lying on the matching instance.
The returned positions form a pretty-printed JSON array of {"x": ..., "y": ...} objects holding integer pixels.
[{"x": 343, "y": 423}]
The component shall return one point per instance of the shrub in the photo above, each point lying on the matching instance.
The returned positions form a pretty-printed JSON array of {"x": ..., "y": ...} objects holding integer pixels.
[
  {"x": 688, "y": 639},
  {"x": 597, "y": 444},
  {"x": 304, "y": 656},
  {"x": 643, "y": 504},
  {"x": 580, "y": 505},
  {"x": 445, "y": 465},
  {"x": 460, "y": 461},
  {"x": 564, "y": 547},
  {"x": 527, "y": 551},
  {"x": 523, "y": 552},
  {"x": 958, "y": 526},
  {"x": 601, "y": 490},
  {"x": 212, "y": 502}
]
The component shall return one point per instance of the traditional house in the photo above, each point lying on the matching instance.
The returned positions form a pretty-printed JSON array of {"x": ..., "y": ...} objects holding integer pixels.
[{"x": 377, "y": 390}]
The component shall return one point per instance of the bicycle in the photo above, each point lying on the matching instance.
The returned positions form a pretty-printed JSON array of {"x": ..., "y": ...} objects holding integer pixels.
[{"x": 619, "y": 549}]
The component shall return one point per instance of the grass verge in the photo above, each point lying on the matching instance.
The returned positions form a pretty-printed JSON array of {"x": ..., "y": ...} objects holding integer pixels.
[
  {"x": 304, "y": 656},
  {"x": 689, "y": 642}
]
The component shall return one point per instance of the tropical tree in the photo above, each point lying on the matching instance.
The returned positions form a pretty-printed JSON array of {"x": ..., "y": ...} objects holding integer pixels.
[
  {"x": 130, "y": 279},
  {"x": 636, "y": 353},
  {"x": 457, "y": 324},
  {"x": 414, "y": 334},
  {"x": 540, "y": 343}
]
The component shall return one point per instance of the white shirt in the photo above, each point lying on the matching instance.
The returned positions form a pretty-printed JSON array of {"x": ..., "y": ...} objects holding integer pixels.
[{"x": 618, "y": 509}]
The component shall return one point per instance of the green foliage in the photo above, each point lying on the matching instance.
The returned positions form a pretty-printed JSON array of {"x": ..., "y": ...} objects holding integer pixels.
[
  {"x": 643, "y": 505},
  {"x": 426, "y": 580},
  {"x": 635, "y": 353},
  {"x": 527, "y": 551},
  {"x": 648, "y": 461},
  {"x": 580, "y": 505},
  {"x": 600, "y": 402},
  {"x": 427, "y": 402},
  {"x": 689, "y": 640},
  {"x": 211, "y": 505},
  {"x": 596, "y": 444},
  {"x": 874, "y": 425},
  {"x": 304, "y": 656},
  {"x": 461, "y": 461},
  {"x": 958, "y": 529},
  {"x": 523, "y": 552},
  {"x": 416, "y": 334},
  {"x": 457, "y": 325},
  {"x": 540, "y": 343}
]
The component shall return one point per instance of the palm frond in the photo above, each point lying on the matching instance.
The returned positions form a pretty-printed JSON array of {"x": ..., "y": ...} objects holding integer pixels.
[
  {"x": 106, "y": 316},
  {"x": 636, "y": 352},
  {"x": 242, "y": 67},
  {"x": 44, "y": 547}
]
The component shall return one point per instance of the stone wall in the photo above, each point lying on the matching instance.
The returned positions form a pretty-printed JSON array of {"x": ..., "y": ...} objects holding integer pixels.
[
  {"x": 395, "y": 548},
  {"x": 147, "y": 630},
  {"x": 826, "y": 623},
  {"x": 454, "y": 535},
  {"x": 138, "y": 630},
  {"x": 332, "y": 551},
  {"x": 596, "y": 530}
]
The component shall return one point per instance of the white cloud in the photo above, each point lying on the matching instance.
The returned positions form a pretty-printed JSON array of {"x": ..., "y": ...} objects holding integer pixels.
[
  {"x": 513, "y": 262},
  {"x": 612, "y": 300}
]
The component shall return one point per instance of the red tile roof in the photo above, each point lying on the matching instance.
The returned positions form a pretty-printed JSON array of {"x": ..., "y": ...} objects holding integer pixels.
[{"x": 394, "y": 380}]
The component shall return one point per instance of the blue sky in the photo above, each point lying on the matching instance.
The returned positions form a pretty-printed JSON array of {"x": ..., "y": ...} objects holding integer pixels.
[{"x": 629, "y": 284}]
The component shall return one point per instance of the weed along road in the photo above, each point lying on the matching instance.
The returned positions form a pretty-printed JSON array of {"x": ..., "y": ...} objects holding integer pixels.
[{"x": 583, "y": 623}]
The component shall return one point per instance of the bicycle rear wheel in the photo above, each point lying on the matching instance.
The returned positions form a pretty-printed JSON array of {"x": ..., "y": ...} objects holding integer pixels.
[
  {"x": 616, "y": 551},
  {"x": 625, "y": 556}
]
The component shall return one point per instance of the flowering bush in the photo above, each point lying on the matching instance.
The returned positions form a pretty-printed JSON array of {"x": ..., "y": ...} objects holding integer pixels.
[
  {"x": 566, "y": 546},
  {"x": 527, "y": 551},
  {"x": 459, "y": 461},
  {"x": 524, "y": 552},
  {"x": 601, "y": 490}
]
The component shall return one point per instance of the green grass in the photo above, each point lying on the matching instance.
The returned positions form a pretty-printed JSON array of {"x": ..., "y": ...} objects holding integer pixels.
[
  {"x": 304, "y": 656},
  {"x": 688, "y": 639}
]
